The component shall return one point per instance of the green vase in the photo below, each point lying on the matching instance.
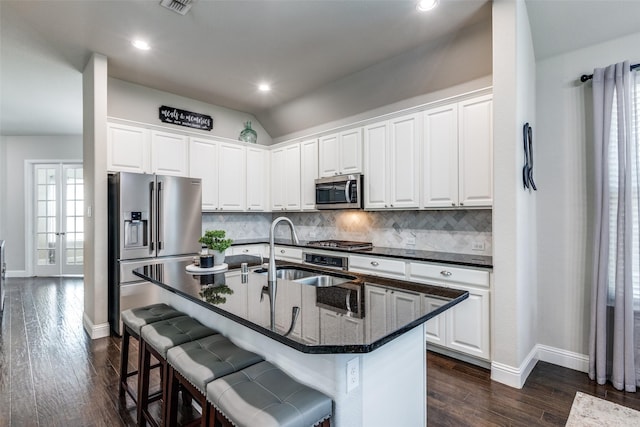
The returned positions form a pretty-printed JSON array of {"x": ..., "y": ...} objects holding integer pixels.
[{"x": 248, "y": 134}]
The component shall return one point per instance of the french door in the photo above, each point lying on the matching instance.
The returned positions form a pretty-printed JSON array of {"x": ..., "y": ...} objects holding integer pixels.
[{"x": 58, "y": 219}]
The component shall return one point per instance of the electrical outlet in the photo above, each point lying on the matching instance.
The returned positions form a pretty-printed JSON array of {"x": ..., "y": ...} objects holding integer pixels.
[
  {"x": 478, "y": 246},
  {"x": 411, "y": 241},
  {"x": 353, "y": 374}
]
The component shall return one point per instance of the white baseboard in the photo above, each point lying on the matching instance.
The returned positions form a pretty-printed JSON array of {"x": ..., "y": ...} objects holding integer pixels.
[
  {"x": 95, "y": 331},
  {"x": 17, "y": 273},
  {"x": 514, "y": 376},
  {"x": 564, "y": 358}
]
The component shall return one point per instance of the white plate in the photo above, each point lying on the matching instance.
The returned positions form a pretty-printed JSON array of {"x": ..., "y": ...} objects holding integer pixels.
[{"x": 192, "y": 268}]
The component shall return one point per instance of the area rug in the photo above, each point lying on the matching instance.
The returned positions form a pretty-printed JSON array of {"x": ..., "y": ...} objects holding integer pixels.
[{"x": 589, "y": 411}]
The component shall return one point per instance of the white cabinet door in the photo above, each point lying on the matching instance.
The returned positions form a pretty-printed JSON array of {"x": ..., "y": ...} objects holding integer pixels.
[
  {"x": 257, "y": 179},
  {"x": 309, "y": 316},
  {"x": 203, "y": 164},
  {"x": 476, "y": 152},
  {"x": 128, "y": 149},
  {"x": 328, "y": 152},
  {"x": 308, "y": 173},
  {"x": 338, "y": 328},
  {"x": 291, "y": 184},
  {"x": 404, "y": 162},
  {"x": 232, "y": 177},
  {"x": 340, "y": 153},
  {"x": 350, "y": 151},
  {"x": 285, "y": 178},
  {"x": 435, "y": 327},
  {"x": 440, "y": 157},
  {"x": 169, "y": 154},
  {"x": 405, "y": 307},
  {"x": 468, "y": 327},
  {"x": 379, "y": 310},
  {"x": 376, "y": 181}
]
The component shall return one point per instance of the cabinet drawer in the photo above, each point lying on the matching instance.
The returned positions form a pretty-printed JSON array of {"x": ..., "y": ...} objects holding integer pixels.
[
  {"x": 427, "y": 272},
  {"x": 378, "y": 266},
  {"x": 288, "y": 253},
  {"x": 248, "y": 250}
]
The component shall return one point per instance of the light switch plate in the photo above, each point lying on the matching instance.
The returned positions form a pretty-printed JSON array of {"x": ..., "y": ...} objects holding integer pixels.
[{"x": 353, "y": 374}]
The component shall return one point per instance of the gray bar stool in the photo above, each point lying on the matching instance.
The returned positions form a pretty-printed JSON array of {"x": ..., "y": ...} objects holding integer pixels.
[
  {"x": 155, "y": 339},
  {"x": 133, "y": 320},
  {"x": 263, "y": 395},
  {"x": 195, "y": 364}
]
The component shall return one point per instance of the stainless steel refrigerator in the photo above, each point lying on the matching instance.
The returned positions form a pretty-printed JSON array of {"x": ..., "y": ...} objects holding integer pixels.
[{"x": 152, "y": 219}]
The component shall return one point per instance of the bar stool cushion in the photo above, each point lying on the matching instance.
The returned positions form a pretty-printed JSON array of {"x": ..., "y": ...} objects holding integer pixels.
[
  {"x": 136, "y": 318},
  {"x": 263, "y": 395},
  {"x": 163, "y": 335},
  {"x": 209, "y": 358}
]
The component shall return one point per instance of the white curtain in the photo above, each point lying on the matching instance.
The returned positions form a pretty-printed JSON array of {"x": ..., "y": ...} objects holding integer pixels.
[{"x": 615, "y": 302}]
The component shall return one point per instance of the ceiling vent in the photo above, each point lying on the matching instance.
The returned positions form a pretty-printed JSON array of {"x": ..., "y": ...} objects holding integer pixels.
[{"x": 178, "y": 6}]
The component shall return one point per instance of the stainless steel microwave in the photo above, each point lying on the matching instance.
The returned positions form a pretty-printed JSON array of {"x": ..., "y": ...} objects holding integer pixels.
[{"x": 339, "y": 192}]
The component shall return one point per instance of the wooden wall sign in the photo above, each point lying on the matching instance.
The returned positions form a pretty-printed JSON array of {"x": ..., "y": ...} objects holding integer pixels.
[{"x": 190, "y": 119}]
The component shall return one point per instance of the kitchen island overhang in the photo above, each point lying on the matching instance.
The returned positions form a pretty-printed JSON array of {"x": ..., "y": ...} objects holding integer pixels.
[{"x": 388, "y": 386}]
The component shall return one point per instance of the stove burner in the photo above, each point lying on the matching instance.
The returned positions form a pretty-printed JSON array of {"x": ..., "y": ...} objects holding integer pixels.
[{"x": 342, "y": 244}]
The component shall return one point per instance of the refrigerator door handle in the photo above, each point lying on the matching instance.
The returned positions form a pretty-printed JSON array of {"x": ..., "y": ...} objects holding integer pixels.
[
  {"x": 152, "y": 219},
  {"x": 160, "y": 217}
]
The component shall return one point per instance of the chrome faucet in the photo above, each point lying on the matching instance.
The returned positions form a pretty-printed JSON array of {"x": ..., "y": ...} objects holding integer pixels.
[
  {"x": 271, "y": 274},
  {"x": 272, "y": 256}
]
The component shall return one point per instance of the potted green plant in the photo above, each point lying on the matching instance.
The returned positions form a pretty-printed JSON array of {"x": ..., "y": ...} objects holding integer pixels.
[{"x": 216, "y": 243}]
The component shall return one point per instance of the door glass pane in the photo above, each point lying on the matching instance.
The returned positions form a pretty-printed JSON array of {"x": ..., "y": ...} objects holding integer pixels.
[
  {"x": 74, "y": 198},
  {"x": 46, "y": 214}
]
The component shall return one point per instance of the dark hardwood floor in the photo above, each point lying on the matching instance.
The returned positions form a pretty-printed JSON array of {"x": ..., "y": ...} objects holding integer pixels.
[{"x": 52, "y": 374}]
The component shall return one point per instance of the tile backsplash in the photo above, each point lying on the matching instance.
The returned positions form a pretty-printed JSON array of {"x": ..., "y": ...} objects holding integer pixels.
[{"x": 457, "y": 231}]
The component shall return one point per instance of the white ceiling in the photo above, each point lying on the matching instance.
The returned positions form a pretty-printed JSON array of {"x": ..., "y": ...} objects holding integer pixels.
[{"x": 221, "y": 50}]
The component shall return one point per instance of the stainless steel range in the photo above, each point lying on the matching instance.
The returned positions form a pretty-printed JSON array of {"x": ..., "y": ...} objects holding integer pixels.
[{"x": 341, "y": 244}]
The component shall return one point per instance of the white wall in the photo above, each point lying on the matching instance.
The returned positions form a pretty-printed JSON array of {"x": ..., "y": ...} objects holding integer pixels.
[
  {"x": 18, "y": 149},
  {"x": 514, "y": 231},
  {"x": 139, "y": 103},
  {"x": 565, "y": 213}
]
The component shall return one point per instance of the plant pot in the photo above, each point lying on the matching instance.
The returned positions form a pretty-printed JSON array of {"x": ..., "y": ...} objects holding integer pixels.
[{"x": 218, "y": 257}]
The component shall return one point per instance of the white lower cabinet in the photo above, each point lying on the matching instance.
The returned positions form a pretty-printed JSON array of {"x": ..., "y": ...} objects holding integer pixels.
[
  {"x": 378, "y": 266},
  {"x": 288, "y": 253},
  {"x": 465, "y": 328},
  {"x": 337, "y": 328},
  {"x": 388, "y": 309}
]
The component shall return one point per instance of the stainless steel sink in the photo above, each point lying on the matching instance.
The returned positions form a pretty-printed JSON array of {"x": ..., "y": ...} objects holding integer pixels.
[
  {"x": 308, "y": 277},
  {"x": 324, "y": 280}
]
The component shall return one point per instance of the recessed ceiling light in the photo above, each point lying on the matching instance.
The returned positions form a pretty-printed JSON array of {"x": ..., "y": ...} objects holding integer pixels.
[
  {"x": 141, "y": 44},
  {"x": 264, "y": 87},
  {"x": 425, "y": 5}
]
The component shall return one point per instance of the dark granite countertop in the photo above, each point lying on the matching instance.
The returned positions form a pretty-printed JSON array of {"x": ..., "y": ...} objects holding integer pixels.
[
  {"x": 321, "y": 323},
  {"x": 469, "y": 260}
]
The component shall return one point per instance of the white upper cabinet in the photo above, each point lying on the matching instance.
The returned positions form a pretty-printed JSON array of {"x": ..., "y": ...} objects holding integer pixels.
[
  {"x": 232, "y": 177},
  {"x": 257, "y": 184},
  {"x": 285, "y": 178},
  {"x": 440, "y": 151},
  {"x": 169, "y": 154},
  {"x": 391, "y": 165},
  {"x": 308, "y": 173},
  {"x": 340, "y": 153},
  {"x": 475, "y": 156},
  {"x": 204, "y": 156},
  {"x": 458, "y": 154},
  {"x": 128, "y": 149},
  {"x": 222, "y": 168}
]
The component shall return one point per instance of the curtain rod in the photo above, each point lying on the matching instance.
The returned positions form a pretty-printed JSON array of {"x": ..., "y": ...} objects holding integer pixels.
[{"x": 586, "y": 77}]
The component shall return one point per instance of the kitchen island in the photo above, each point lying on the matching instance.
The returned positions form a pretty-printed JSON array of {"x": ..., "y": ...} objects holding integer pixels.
[{"x": 364, "y": 349}]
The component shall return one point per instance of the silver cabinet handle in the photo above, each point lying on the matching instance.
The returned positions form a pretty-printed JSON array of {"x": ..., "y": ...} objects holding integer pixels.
[
  {"x": 461, "y": 204},
  {"x": 453, "y": 204},
  {"x": 375, "y": 263},
  {"x": 282, "y": 251},
  {"x": 445, "y": 273},
  {"x": 245, "y": 251}
]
